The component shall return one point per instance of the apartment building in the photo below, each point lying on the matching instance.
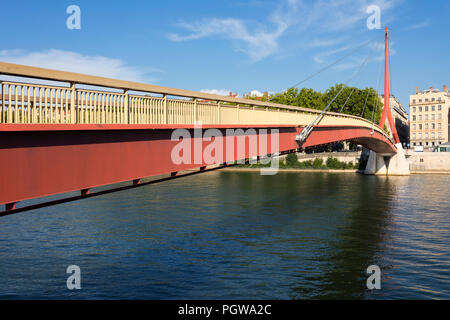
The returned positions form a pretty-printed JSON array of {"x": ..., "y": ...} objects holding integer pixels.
[{"x": 429, "y": 117}]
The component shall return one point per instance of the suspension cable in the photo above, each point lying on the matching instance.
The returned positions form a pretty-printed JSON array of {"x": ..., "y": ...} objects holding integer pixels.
[
  {"x": 323, "y": 69},
  {"x": 348, "y": 81},
  {"x": 353, "y": 90},
  {"x": 375, "y": 111},
  {"x": 365, "y": 102},
  {"x": 307, "y": 130}
]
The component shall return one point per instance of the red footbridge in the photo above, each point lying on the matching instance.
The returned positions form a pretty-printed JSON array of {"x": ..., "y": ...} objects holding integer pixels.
[{"x": 63, "y": 132}]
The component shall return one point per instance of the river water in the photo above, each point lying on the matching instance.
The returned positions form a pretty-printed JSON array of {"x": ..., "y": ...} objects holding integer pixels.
[{"x": 238, "y": 235}]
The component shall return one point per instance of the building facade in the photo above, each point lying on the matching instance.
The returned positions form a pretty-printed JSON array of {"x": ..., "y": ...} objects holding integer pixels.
[{"x": 429, "y": 117}]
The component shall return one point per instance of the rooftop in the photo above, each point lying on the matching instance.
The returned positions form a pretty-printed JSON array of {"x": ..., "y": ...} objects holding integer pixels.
[{"x": 432, "y": 90}]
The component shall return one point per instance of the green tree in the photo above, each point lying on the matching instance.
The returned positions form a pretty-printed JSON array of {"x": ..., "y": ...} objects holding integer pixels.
[
  {"x": 317, "y": 163},
  {"x": 291, "y": 160},
  {"x": 356, "y": 101}
]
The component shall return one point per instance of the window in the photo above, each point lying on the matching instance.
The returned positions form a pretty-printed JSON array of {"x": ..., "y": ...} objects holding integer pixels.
[
  {"x": 414, "y": 136},
  {"x": 426, "y": 135},
  {"x": 426, "y": 126},
  {"x": 414, "y": 109},
  {"x": 439, "y": 107},
  {"x": 420, "y": 100},
  {"x": 439, "y": 99},
  {"x": 414, "y": 118},
  {"x": 420, "y": 117},
  {"x": 426, "y": 108},
  {"x": 420, "y": 109},
  {"x": 440, "y": 116},
  {"x": 426, "y": 117},
  {"x": 420, "y": 135},
  {"x": 433, "y": 126},
  {"x": 432, "y": 99},
  {"x": 414, "y": 100},
  {"x": 414, "y": 126},
  {"x": 420, "y": 127},
  {"x": 439, "y": 135},
  {"x": 426, "y": 99},
  {"x": 439, "y": 125},
  {"x": 432, "y": 116},
  {"x": 432, "y": 136},
  {"x": 432, "y": 108}
]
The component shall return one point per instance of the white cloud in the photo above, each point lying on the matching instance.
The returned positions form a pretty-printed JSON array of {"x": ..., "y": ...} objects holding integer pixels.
[
  {"x": 220, "y": 92},
  {"x": 418, "y": 26},
  {"x": 75, "y": 62},
  {"x": 336, "y": 16},
  {"x": 256, "y": 93},
  {"x": 310, "y": 19},
  {"x": 322, "y": 43},
  {"x": 258, "y": 42},
  {"x": 320, "y": 57}
]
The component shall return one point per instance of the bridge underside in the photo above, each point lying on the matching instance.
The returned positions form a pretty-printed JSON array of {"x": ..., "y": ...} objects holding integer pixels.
[
  {"x": 371, "y": 140},
  {"x": 42, "y": 160}
]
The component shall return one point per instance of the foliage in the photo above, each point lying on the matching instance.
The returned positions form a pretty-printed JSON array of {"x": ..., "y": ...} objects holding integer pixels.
[
  {"x": 292, "y": 160},
  {"x": 317, "y": 163},
  {"x": 333, "y": 163},
  {"x": 355, "y": 98}
]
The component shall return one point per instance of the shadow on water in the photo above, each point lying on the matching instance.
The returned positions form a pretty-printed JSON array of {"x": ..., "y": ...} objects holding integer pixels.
[
  {"x": 357, "y": 245},
  {"x": 325, "y": 228},
  {"x": 237, "y": 235}
]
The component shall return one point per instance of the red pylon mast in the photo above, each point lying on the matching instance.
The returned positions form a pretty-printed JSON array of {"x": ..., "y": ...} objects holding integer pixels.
[{"x": 387, "y": 109}]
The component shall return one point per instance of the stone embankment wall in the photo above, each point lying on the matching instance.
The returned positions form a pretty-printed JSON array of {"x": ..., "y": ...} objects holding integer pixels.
[
  {"x": 429, "y": 161},
  {"x": 352, "y": 157}
]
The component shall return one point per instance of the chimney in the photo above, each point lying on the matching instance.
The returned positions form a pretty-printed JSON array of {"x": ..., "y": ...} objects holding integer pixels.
[
  {"x": 431, "y": 88},
  {"x": 416, "y": 90},
  {"x": 445, "y": 88}
]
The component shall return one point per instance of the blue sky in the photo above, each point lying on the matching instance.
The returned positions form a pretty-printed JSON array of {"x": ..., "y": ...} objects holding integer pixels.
[{"x": 232, "y": 45}]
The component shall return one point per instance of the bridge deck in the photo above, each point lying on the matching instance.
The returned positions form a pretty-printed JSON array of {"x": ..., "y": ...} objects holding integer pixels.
[
  {"x": 80, "y": 132},
  {"x": 71, "y": 101}
]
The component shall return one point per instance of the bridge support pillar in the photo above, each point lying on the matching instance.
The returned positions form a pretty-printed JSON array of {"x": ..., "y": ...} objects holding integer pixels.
[
  {"x": 376, "y": 164},
  {"x": 396, "y": 165}
]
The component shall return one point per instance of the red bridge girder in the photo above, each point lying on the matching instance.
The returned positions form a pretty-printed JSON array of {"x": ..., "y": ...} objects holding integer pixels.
[{"x": 39, "y": 160}]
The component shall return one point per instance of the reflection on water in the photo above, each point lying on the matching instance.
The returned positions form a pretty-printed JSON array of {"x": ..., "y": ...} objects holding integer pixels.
[{"x": 233, "y": 235}]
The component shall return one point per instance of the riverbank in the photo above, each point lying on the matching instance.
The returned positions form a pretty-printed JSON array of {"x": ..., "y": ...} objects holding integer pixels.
[{"x": 246, "y": 169}]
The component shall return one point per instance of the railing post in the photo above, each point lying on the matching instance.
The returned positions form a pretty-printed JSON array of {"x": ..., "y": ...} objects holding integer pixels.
[
  {"x": 72, "y": 103},
  {"x": 126, "y": 116},
  {"x": 9, "y": 110},
  {"x": 165, "y": 110},
  {"x": 195, "y": 111},
  {"x": 2, "y": 114},
  {"x": 253, "y": 114},
  {"x": 218, "y": 112}
]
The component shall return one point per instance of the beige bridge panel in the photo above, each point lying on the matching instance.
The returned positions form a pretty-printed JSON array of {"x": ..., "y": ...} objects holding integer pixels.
[{"x": 122, "y": 102}]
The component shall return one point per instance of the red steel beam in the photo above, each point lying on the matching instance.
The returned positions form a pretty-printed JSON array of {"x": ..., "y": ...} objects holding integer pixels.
[{"x": 42, "y": 160}]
